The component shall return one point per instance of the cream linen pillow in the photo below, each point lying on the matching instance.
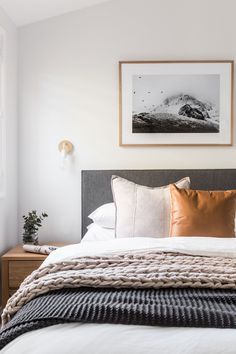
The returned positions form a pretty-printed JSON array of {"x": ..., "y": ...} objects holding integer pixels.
[{"x": 142, "y": 211}]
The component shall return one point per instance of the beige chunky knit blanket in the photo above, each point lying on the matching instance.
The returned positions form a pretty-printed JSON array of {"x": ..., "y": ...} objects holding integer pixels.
[{"x": 127, "y": 270}]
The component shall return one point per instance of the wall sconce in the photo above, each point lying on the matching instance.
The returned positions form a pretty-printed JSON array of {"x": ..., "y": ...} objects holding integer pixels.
[{"x": 65, "y": 147}]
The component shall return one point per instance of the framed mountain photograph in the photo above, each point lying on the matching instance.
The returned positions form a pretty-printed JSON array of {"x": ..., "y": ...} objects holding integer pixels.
[{"x": 176, "y": 103}]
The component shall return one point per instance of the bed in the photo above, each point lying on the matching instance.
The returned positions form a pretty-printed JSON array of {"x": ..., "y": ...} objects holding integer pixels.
[{"x": 89, "y": 265}]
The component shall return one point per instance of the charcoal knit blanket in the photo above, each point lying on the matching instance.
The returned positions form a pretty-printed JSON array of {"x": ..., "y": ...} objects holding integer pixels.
[
  {"x": 188, "y": 307},
  {"x": 143, "y": 270}
]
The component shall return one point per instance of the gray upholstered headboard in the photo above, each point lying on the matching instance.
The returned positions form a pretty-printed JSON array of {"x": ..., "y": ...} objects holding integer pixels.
[{"x": 96, "y": 185}]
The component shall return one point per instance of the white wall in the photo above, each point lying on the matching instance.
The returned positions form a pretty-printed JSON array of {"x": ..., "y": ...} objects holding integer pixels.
[
  {"x": 69, "y": 88},
  {"x": 8, "y": 204}
]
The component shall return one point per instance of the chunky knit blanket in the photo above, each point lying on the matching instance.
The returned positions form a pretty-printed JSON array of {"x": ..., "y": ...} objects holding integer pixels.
[
  {"x": 147, "y": 270},
  {"x": 190, "y": 307}
]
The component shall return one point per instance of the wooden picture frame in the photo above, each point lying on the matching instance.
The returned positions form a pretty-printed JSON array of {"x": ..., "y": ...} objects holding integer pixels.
[{"x": 176, "y": 103}]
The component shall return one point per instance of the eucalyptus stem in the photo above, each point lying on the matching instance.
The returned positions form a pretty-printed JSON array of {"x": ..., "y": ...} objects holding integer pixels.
[{"x": 32, "y": 223}]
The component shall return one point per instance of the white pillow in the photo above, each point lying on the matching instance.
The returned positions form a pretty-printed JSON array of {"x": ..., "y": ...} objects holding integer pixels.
[
  {"x": 98, "y": 233},
  {"x": 104, "y": 216},
  {"x": 142, "y": 211}
]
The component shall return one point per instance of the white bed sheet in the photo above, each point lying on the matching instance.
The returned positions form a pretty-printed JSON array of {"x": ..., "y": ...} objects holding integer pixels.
[
  {"x": 202, "y": 246},
  {"x": 80, "y": 338}
]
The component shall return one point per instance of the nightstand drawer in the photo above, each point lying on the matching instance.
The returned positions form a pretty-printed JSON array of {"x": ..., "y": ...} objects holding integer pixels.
[
  {"x": 16, "y": 266},
  {"x": 19, "y": 270}
]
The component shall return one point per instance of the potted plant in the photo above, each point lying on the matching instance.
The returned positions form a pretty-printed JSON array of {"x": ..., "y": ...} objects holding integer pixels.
[{"x": 32, "y": 222}]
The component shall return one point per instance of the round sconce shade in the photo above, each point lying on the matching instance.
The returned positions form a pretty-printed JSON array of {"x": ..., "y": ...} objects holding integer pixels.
[{"x": 66, "y": 146}]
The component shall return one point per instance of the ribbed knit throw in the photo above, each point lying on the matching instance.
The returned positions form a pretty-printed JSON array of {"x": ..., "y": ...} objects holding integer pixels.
[
  {"x": 147, "y": 270},
  {"x": 213, "y": 308}
]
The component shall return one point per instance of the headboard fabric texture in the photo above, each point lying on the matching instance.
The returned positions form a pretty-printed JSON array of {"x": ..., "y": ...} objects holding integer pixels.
[{"x": 96, "y": 185}]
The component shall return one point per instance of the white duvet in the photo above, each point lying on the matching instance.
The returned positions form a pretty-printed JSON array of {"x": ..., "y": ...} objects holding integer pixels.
[{"x": 77, "y": 338}]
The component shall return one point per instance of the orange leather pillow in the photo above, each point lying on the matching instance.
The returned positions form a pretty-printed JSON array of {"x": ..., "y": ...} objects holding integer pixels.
[{"x": 202, "y": 213}]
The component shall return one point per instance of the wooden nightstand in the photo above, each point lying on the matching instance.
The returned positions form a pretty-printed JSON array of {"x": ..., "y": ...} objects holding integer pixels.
[{"x": 16, "y": 266}]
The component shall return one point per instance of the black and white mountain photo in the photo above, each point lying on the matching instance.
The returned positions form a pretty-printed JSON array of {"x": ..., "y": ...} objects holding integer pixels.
[{"x": 175, "y": 103}]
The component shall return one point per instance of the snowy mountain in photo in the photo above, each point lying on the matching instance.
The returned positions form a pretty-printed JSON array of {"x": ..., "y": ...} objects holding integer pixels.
[{"x": 180, "y": 113}]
